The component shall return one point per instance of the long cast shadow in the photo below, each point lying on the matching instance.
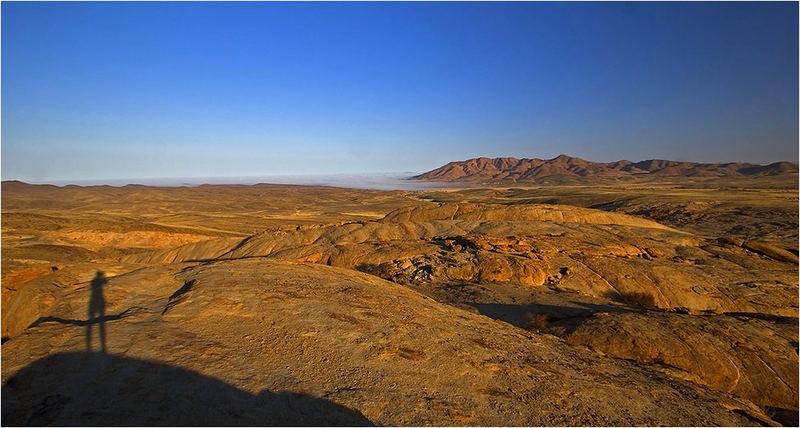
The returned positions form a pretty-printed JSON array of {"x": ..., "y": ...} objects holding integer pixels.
[
  {"x": 97, "y": 310},
  {"x": 96, "y": 389},
  {"x": 84, "y": 323}
]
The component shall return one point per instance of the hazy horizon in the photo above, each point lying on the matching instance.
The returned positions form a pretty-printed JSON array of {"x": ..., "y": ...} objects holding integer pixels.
[
  {"x": 115, "y": 91},
  {"x": 377, "y": 181},
  {"x": 386, "y": 180}
]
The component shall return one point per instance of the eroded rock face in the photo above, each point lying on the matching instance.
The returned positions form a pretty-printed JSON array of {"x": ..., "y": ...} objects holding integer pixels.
[
  {"x": 364, "y": 344},
  {"x": 467, "y": 259},
  {"x": 750, "y": 358},
  {"x": 572, "y": 249}
]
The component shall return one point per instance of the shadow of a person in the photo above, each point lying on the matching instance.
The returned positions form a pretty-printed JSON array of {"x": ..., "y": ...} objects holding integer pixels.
[{"x": 97, "y": 310}]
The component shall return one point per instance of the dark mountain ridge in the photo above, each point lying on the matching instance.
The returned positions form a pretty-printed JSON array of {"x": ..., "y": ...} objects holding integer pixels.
[{"x": 565, "y": 168}]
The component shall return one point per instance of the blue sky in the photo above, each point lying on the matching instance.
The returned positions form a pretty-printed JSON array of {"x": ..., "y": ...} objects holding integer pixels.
[{"x": 134, "y": 90}]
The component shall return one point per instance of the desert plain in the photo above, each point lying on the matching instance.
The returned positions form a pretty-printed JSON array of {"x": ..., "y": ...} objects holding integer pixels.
[{"x": 671, "y": 301}]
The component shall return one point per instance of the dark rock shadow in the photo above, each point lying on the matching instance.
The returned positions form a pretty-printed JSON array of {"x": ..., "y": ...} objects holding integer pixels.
[
  {"x": 96, "y": 389},
  {"x": 785, "y": 417},
  {"x": 568, "y": 316}
]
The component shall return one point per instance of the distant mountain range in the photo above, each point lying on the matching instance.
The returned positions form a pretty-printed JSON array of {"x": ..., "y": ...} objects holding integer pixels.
[{"x": 565, "y": 169}]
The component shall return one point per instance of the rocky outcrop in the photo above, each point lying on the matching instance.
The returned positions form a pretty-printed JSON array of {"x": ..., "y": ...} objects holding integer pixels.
[
  {"x": 748, "y": 357},
  {"x": 604, "y": 254},
  {"x": 365, "y": 346}
]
